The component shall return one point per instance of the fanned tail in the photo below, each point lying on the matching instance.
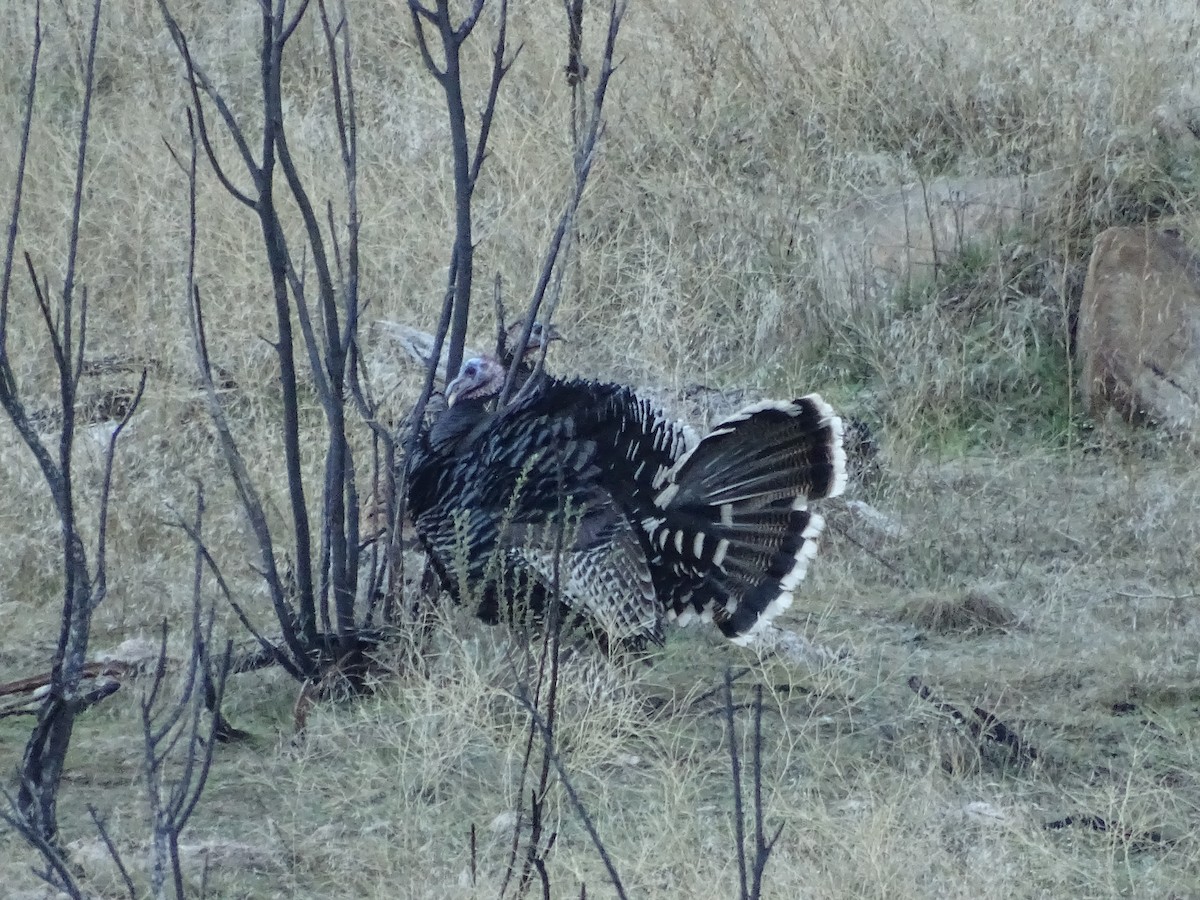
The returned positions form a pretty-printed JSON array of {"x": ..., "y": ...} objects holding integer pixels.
[{"x": 732, "y": 528}]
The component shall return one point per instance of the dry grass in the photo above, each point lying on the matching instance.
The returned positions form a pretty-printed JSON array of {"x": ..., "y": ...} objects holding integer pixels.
[{"x": 1045, "y": 572}]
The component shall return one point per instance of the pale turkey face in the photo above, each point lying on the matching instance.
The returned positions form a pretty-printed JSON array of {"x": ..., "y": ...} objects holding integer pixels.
[{"x": 479, "y": 378}]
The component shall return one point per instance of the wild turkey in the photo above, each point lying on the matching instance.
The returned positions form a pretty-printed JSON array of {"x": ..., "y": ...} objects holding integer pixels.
[
  {"x": 540, "y": 335},
  {"x": 584, "y": 491},
  {"x": 454, "y": 424}
]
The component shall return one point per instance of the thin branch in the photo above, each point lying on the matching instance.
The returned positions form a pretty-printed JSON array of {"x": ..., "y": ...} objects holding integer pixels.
[
  {"x": 80, "y": 343},
  {"x": 80, "y": 167},
  {"x": 102, "y": 829},
  {"x": 58, "y": 873},
  {"x": 52, "y": 327},
  {"x": 271, "y": 649},
  {"x": 46, "y": 749},
  {"x": 420, "y": 12},
  {"x": 735, "y": 774},
  {"x": 100, "y": 580},
  {"x": 234, "y": 460},
  {"x": 573, "y": 795},
  {"x": 583, "y": 168},
  {"x": 290, "y": 27},
  {"x": 197, "y": 81},
  {"x": 500, "y": 68},
  {"x": 22, "y": 156},
  {"x": 468, "y": 24},
  {"x": 762, "y": 846}
]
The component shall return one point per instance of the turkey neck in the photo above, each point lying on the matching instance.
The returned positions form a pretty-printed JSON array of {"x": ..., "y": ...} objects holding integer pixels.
[{"x": 457, "y": 428}]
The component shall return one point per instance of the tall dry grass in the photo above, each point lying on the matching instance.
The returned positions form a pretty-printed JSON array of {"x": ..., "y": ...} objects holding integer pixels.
[{"x": 734, "y": 129}]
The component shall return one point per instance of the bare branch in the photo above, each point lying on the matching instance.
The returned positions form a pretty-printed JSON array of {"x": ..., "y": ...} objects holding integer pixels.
[
  {"x": 286, "y": 34},
  {"x": 58, "y": 872},
  {"x": 76, "y": 372},
  {"x": 80, "y": 167},
  {"x": 276, "y": 654},
  {"x": 22, "y": 155},
  {"x": 466, "y": 161},
  {"x": 197, "y": 81},
  {"x": 576, "y": 802},
  {"x": 420, "y": 12},
  {"x": 328, "y": 322},
  {"x": 500, "y": 68},
  {"x": 100, "y": 580},
  {"x": 735, "y": 775},
  {"x": 52, "y": 328},
  {"x": 468, "y": 24},
  {"x": 583, "y": 167},
  {"x": 233, "y": 457},
  {"x": 501, "y": 318},
  {"x": 102, "y": 829},
  {"x": 46, "y": 749}
]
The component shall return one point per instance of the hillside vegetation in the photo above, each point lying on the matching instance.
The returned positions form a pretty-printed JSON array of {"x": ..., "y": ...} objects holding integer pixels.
[{"x": 1037, "y": 566}]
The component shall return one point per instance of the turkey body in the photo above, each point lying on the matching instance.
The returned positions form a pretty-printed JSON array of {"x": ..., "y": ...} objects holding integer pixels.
[{"x": 587, "y": 493}]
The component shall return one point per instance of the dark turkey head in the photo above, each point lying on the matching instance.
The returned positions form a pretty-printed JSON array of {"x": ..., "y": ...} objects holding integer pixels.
[
  {"x": 539, "y": 336},
  {"x": 480, "y": 378}
]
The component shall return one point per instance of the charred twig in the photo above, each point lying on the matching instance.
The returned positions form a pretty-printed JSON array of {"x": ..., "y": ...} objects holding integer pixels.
[
  {"x": 451, "y": 37},
  {"x": 271, "y": 650},
  {"x": 984, "y": 725},
  {"x": 575, "y": 68},
  {"x": 65, "y": 317},
  {"x": 585, "y": 157},
  {"x": 172, "y": 731},
  {"x": 995, "y": 730},
  {"x": 57, "y": 872},
  {"x": 468, "y": 162},
  {"x": 577, "y": 804},
  {"x": 543, "y": 696},
  {"x": 474, "y": 850},
  {"x": 113, "y": 853},
  {"x": 749, "y": 876},
  {"x": 730, "y": 675},
  {"x": 1138, "y": 840}
]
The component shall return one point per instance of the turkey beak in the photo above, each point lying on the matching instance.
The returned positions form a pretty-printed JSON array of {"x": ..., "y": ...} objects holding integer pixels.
[{"x": 453, "y": 389}]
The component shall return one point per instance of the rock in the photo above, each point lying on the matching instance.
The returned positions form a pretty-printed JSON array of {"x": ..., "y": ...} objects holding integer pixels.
[
  {"x": 412, "y": 345},
  {"x": 504, "y": 822},
  {"x": 1138, "y": 337},
  {"x": 136, "y": 652},
  {"x": 797, "y": 650},
  {"x": 876, "y": 521},
  {"x": 983, "y": 813}
]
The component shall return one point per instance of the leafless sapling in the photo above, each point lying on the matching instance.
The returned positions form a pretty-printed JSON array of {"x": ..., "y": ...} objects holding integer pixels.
[
  {"x": 65, "y": 317},
  {"x": 317, "y": 608}
]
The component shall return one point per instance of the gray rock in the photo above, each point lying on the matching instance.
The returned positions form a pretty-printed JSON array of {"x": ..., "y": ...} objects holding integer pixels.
[{"x": 1138, "y": 338}]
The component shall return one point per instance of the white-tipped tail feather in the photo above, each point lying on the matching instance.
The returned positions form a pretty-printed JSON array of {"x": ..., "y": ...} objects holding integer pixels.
[{"x": 733, "y": 525}]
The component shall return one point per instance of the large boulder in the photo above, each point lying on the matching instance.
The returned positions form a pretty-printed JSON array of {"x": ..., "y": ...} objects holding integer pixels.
[{"x": 1138, "y": 337}]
